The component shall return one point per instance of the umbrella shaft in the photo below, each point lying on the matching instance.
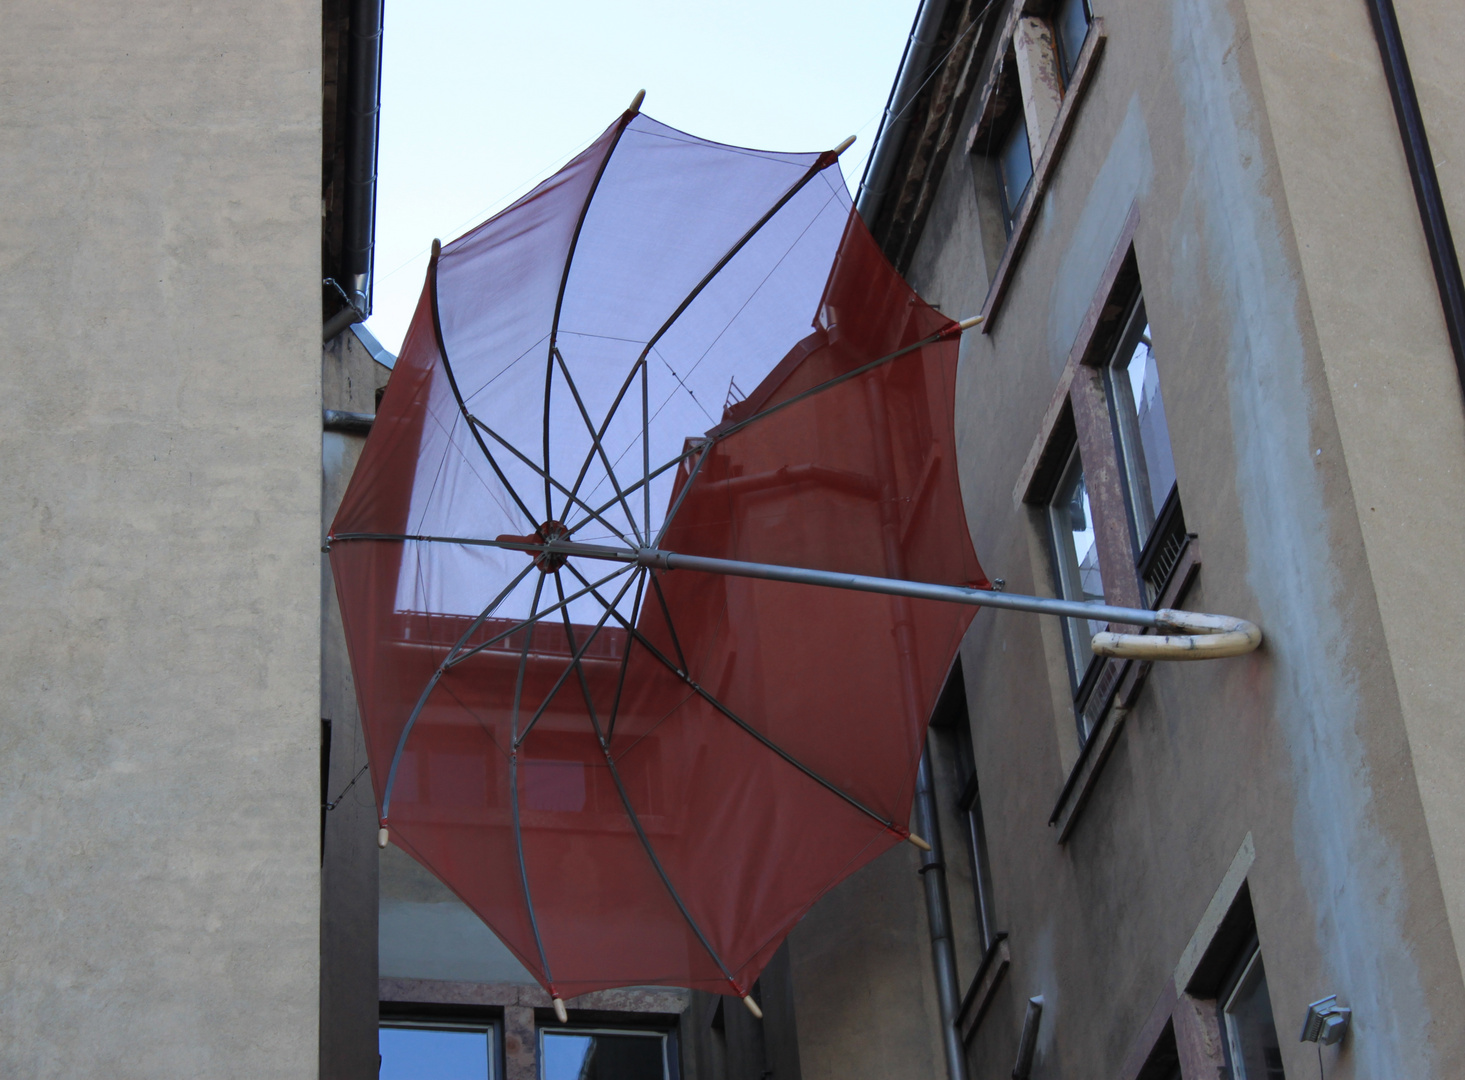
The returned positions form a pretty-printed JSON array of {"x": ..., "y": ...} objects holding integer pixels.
[{"x": 920, "y": 590}]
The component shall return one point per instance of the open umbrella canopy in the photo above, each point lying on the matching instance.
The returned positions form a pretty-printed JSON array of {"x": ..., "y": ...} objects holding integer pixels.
[{"x": 637, "y": 775}]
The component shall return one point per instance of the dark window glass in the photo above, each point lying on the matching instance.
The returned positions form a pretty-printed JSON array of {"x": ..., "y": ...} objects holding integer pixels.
[
  {"x": 1071, "y": 26},
  {"x": 1139, "y": 415},
  {"x": 969, "y": 804},
  {"x": 1014, "y": 169},
  {"x": 602, "y": 1055},
  {"x": 1251, "y": 1035},
  {"x": 1076, "y": 555},
  {"x": 419, "y": 1052}
]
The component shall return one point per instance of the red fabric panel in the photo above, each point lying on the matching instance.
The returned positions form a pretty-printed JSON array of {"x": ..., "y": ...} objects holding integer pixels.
[{"x": 669, "y": 722}]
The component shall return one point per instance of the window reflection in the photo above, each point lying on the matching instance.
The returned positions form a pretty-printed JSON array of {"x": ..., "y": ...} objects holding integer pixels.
[
  {"x": 603, "y": 1055},
  {"x": 1014, "y": 169},
  {"x": 1251, "y": 1035},
  {"x": 1144, "y": 437},
  {"x": 424, "y": 1053},
  {"x": 1071, "y": 26},
  {"x": 1076, "y": 552}
]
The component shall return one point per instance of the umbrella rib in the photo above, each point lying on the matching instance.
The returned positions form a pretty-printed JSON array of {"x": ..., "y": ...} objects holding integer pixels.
[
  {"x": 639, "y": 484},
  {"x": 559, "y": 300},
  {"x": 432, "y": 683},
  {"x": 598, "y": 448},
  {"x": 740, "y": 722},
  {"x": 821, "y": 163},
  {"x": 442, "y": 348},
  {"x": 829, "y": 384},
  {"x": 530, "y": 622},
  {"x": 548, "y": 480},
  {"x": 514, "y": 792},
  {"x": 574, "y": 664},
  {"x": 615, "y": 705},
  {"x": 645, "y": 445},
  {"x": 615, "y": 775},
  {"x": 930, "y": 339},
  {"x": 666, "y": 614},
  {"x": 682, "y": 495}
]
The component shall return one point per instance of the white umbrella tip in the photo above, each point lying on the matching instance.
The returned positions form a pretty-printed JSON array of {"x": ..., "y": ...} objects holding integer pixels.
[
  {"x": 636, "y": 101},
  {"x": 381, "y": 837},
  {"x": 560, "y": 1012},
  {"x": 967, "y": 324},
  {"x": 842, "y": 147},
  {"x": 752, "y": 1006}
]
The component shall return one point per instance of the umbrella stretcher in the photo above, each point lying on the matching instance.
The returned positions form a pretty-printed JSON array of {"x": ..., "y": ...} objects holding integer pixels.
[{"x": 655, "y": 562}]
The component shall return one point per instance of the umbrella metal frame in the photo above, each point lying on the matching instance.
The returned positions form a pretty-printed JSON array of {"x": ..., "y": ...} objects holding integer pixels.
[{"x": 1184, "y": 635}]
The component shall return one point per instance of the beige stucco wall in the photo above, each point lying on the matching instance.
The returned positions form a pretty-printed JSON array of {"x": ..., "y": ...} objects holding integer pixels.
[
  {"x": 1282, "y": 260},
  {"x": 159, "y": 611},
  {"x": 1391, "y": 376}
]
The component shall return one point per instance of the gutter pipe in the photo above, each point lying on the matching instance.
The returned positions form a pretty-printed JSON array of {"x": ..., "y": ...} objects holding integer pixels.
[
  {"x": 363, "y": 104},
  {"x": 938, "y": 916},
  {"x": 1427, "y": 193},
  {"x": 893, "y": 125}
]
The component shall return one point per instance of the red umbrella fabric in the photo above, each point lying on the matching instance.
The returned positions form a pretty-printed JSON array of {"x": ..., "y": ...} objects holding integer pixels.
[{"x": 639, "y": 776}]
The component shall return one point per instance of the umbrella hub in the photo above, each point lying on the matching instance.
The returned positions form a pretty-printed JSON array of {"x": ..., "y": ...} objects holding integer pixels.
[{"x": 550, "y": 561}]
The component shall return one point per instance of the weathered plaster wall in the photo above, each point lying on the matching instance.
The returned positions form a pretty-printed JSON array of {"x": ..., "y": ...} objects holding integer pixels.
[
  {"x": 160, "y": 428},
  {"x": 350, "y": 378},
  {"x": 863, "y": 991},
  {"x": 1282, "y": 261},
  {"x": 1391, "y": 379}
]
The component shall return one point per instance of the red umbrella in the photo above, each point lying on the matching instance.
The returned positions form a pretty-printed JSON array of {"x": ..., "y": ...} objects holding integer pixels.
[{"x": 634, "y": 415}]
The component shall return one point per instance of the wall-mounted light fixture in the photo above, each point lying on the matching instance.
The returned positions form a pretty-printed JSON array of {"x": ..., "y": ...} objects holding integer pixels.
[{"x": 1326, "y": 1021}]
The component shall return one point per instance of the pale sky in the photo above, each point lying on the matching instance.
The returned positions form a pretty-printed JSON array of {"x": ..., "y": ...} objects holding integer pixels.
[{"x": 481, "y": 100}]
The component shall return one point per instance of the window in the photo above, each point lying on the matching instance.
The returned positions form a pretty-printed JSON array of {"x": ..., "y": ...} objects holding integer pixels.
[
  {"x": 969, "y": 806},
  {"x": 1014, "y": 170},
  {"x": 604, "y": 1054},
  {"x": 1139, "y": 420},
  {"x": 1146, "y": 461},
  {"x": 1252, "y": 1049},
  {"x": 1070, "y": 26},
  {"x": 437, "y": 1051},
  {"x": 1103, "y": 476},
  {"x": 1076, "y": 559}
]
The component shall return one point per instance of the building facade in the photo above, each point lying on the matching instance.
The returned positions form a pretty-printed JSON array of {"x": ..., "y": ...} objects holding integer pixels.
[{"x": 1216, "y": 372}]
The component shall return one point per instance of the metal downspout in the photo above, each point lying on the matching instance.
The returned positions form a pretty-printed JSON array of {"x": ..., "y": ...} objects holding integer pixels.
[
  {"x": 893, "y": 125},
  {"x": 363, "y": 110},
  {"x": 1427, "y": 194},
  {"x": 928, "y": 826},
  {"x": 938, "y": 914}
]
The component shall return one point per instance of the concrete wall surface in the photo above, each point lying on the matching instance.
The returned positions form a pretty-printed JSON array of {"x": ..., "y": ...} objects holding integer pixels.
[
  {"x": 350, "y": 378},
  {"x": 159, "y": 612}
]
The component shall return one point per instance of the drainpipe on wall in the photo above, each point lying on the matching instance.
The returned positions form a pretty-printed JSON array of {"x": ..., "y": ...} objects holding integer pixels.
[
  {"x": 938, "y": 915},
  {"x": 1421, "y": 170},
  {"x": 363, "y": 108},
  {"x": 908, "y": 82}
]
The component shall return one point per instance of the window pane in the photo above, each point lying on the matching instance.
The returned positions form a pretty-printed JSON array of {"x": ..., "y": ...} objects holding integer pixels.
[
  {"x": 1076, "y": 552},
  {"x": 1014, "y": 168},
  {"x": 1144, "y": 436},
  {"x": 1255, "y": 1051},
  {"x": 411, "y": 1053},
  {"x": 1071, "y": 21},
  {"x": 580, "y": 1055}
]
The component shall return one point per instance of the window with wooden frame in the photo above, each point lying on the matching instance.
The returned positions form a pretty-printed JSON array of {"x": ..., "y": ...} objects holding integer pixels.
[
  {"x": 1071, "y": 19},
  {"x": 1044, "y": 57},
  {"x": 1104, "y": 478},
  {"x": 1116, "y": 528}
]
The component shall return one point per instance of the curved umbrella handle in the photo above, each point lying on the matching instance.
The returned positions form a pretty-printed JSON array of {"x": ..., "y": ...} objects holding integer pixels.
[{"x": 1203, "y": 637}]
